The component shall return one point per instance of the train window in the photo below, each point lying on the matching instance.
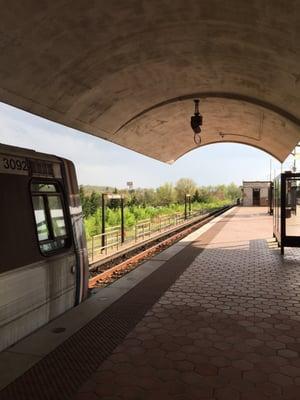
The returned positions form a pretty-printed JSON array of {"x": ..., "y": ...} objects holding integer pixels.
[
  {"x": 57, "y": 216},
  {"x": 43, "y": 187},
  {"x": 49, "y": 216},
  {"x": 40, "y": 218}
]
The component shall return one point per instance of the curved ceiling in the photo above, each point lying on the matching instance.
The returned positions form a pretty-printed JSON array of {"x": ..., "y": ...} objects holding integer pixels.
[{"x": 128, "y": 71}]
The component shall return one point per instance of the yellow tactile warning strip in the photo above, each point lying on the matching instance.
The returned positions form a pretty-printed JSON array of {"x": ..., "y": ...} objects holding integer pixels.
[{"x": 60, "y": 374}]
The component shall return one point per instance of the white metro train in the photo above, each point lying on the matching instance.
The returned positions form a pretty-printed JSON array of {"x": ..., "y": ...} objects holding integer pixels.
[{"x": 43, "y": 253}]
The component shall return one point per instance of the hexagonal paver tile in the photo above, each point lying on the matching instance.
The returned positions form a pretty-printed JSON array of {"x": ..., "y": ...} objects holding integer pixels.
[
  {"x": 228, "y": 328},
  {"x": 280, "y": 379},
  {"x": 287, "y": 353},
  {"x": 256, "y": 376},
  {"x": 242, "y": 365}
]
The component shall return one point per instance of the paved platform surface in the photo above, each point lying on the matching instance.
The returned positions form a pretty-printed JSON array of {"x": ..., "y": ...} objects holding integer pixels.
[
  {"x": 219, "y": 320},
  {"x": 54, "y": 361},
  {"x": 228, "y": 328}
]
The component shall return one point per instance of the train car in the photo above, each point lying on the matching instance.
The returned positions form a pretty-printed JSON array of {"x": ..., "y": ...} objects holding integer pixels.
[{"x": 43, "y": 252}]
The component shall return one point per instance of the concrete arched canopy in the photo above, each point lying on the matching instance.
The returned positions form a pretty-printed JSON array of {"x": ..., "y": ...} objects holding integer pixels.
[{"x": 127, "y": 71}]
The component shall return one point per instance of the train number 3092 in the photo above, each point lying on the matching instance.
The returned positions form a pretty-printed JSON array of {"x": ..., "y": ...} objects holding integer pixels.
[{"x": 13, "y": 165}]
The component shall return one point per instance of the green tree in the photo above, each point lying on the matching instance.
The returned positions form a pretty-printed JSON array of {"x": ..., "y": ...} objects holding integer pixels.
[
  {"x": 233, "y": 191},
  {"x": 149, "y": 197},
  {"x": 220, "y": 192},
  {"x": 85, "y": 202},
  {"x": 205, "y": 195},
  {"x": 196, "y": 197},
  {"x": 132, "y": 201},
  {"x": 81, "y": 194},
  {"x": 165, "y": 194},
  {"x": 184, "y": 186},
  {"x": 94, "y": 202}
]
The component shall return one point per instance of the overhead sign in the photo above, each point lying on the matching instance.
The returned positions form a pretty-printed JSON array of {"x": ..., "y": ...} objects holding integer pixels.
[{"x": 113, "y": 196}]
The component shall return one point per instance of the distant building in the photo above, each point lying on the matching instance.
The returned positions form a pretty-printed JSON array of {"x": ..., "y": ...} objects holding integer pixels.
[{"x": 256, "y": 193}]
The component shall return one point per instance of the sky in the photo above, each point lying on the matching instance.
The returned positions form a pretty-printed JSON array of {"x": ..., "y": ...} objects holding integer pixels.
[{"x": 102, "y": 163}]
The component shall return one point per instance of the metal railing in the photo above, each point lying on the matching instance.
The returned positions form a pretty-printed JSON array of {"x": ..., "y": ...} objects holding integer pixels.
[
  {"x": 139, "y": 232},
  {"x": 112, "y": 241},
  {"x": 142, "y": 230}
]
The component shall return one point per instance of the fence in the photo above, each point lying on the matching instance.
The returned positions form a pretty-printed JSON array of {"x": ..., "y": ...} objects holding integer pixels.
[
  {"x": 112, "y": 241},
  {"x": 141, "y": 231}
]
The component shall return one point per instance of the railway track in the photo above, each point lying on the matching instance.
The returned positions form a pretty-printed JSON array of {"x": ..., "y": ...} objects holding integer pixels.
[{"x": 113, "y": 268}]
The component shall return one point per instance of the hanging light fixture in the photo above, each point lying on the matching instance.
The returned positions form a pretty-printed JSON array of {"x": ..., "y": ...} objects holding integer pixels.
[{"x": 196, "y": 122}]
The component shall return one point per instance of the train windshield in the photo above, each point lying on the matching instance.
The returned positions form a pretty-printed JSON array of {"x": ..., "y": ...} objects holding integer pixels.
[{"x": 50, "y": 216}]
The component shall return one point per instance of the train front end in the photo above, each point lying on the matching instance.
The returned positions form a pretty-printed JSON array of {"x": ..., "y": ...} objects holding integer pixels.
[{"x": 43, "y": 254}]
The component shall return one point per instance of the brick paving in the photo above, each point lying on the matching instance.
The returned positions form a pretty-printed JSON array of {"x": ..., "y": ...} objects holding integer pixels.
[{"x": 228, "y": 328}]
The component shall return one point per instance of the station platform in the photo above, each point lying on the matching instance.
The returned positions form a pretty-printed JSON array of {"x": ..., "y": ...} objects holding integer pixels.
[{"x": 215, "y": 316}]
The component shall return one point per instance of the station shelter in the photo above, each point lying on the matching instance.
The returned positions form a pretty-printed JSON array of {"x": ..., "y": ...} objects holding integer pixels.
[{"x": 256, "y": 193}]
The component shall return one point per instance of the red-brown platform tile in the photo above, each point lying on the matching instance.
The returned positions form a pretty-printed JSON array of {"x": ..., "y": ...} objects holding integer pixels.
[{"x": 228, "y": 328}]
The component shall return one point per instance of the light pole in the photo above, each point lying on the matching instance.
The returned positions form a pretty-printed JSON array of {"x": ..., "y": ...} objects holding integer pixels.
[
  {"x": 122, "y": 221},
  {"x": 186, "y": 197},
  {"x": 112, "y": 197},
  {"x": 103, "y": 220}
]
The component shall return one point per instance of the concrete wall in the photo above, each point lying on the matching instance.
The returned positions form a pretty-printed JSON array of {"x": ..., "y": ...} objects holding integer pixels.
[
  {"x": 248, "y": 193},
  {"x": 128, "y": 71}
]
